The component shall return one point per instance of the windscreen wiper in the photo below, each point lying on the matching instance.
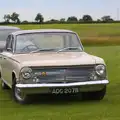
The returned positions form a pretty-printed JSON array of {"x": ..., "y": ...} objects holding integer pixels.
[
  {"x": 39, "y": 50},
  {"x": 69, "y": 48}
]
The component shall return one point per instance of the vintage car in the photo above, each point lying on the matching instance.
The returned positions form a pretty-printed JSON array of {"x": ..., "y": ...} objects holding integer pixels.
[
  {"x": 4, "y": 32},
  {"x": 50, "y": 61}
]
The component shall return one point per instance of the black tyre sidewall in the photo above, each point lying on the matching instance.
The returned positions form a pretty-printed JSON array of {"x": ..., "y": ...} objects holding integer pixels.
[
  {"x": 98, "y": 95},
  {"x": 26, "y": 99}
]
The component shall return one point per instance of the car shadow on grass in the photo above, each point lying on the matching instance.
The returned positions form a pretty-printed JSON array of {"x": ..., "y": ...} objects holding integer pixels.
[
  {"x": 48, "y": 99},
  {"x": 58, "y": 99}
]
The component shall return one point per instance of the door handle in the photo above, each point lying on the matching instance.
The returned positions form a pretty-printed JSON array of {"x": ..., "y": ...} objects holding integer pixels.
[{"x": 4, "y": 58}]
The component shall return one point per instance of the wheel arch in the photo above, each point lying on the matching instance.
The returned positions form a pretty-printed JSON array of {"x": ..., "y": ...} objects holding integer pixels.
[{"x": 14, "y": 76}]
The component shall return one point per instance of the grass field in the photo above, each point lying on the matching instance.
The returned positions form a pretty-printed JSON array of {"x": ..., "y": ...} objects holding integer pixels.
[
  {"x": 52, "y": 109},
  {"x": 89, "y": 33}
]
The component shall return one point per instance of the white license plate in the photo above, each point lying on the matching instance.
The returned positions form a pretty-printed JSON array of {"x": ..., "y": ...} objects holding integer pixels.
[{"x": 64, "y": 90}]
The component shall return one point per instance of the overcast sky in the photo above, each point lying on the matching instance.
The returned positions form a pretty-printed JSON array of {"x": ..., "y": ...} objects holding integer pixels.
[{"x": 59, "y": 8}]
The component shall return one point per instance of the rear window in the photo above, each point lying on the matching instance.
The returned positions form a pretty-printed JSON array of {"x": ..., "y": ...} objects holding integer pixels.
[{"x": 4, "y": 34}]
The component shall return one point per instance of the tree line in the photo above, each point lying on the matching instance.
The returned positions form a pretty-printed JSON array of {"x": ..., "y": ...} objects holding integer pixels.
[{"x": 14, "y": 18}]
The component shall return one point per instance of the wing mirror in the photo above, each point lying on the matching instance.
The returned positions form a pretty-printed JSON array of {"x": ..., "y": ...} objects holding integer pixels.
[{"x": 9, "y": 49}]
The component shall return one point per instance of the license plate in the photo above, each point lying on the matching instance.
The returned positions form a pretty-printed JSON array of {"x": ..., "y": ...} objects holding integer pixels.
[{"x": 64, "y": 90}]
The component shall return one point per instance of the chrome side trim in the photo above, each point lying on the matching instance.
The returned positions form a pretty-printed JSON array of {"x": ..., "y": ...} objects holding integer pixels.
[
  {"x": 9, "y": 57},
  {"x": 100, "y": 82},
  {"x": 13, "y": 59}
]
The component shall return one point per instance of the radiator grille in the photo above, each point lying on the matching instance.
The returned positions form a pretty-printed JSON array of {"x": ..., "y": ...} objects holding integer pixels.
[{"x": 68, "y": 74}]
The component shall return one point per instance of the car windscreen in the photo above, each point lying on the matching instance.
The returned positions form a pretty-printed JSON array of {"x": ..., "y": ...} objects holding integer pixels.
[{"x": 45, "y": 41}]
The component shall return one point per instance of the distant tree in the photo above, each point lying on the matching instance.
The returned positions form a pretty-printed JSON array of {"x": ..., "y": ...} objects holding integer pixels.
[
  {"x": 107, "y": 18},
  {"x": 18, "y": 21},
  {"x": 7, "y": 18},
  {"x": 87, "y": 18},
  {"x": 81, "y": 20},
  {"x": 62, "y": 20},
  {"x": 39, "y": 18},
  {"x": 72, "y": 19},
  {"x": 98, "y": 20},
  {"x": 25, "y": 21},
  {"x": 15, "y": 17},
  {"x": 53, "y": 21}
]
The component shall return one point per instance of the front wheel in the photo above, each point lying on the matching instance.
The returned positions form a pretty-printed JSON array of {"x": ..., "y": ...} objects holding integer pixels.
[
  {"x": 98, "y": 95},
  {"x": 19, "y": 96},
  {"x": 4, "y": 85}
]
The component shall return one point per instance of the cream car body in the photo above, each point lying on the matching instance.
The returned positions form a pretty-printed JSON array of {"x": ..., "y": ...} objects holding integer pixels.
[{"x": 12, "y": 63}]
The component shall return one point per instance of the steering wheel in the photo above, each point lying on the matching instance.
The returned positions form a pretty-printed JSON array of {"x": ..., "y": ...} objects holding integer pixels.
[{"x": 28, "y": 47}]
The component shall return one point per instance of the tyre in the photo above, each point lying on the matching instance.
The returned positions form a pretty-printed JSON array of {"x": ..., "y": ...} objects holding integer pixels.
[
  {"x": 18, "y": 95},
  {"x": 0, "y": 75},
  {"x": 98, "y": 95},
  {"x": 4, "y": 85}
]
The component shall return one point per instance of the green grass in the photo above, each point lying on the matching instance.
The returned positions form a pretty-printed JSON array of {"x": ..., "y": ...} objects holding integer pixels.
[
  {"x": 107, "y": 109},
  {"x": 89, "y": 33}
]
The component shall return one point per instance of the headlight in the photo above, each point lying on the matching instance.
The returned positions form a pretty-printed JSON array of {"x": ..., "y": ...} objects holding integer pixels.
[
  {"x": 26, "y": 72},
  {"x": 101, "y": 70},
  {"x": 93, "y": 76}
]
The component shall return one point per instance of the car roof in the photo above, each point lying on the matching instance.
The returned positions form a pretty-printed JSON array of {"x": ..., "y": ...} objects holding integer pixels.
[
  {"x": 40, "y": 30},
  {"x": 9, "y": 28}
]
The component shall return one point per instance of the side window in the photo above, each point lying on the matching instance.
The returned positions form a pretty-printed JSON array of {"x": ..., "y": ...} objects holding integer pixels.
[
  {"x": 12, "y": 43},
  {"x": 9, "y": 43}
]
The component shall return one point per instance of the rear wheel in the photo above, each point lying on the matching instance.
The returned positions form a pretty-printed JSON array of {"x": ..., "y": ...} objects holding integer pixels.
[
  {"x": 18, "y": 95},
  {"x": 98, "y": 95}
]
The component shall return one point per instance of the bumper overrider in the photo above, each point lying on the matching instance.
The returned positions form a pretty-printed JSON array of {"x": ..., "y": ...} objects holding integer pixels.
[{"x": 46, "y": 88}]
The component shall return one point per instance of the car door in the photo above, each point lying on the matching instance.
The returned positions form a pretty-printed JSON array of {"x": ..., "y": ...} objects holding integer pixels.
[{"x": 6, "y": 61}]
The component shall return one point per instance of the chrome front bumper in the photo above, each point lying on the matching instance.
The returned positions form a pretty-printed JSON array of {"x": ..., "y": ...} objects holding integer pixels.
[{"x": 44, "y": 88}]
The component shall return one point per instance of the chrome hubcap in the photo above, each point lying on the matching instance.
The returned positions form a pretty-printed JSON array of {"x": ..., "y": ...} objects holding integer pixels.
[{"x": 19, "y": 95}]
